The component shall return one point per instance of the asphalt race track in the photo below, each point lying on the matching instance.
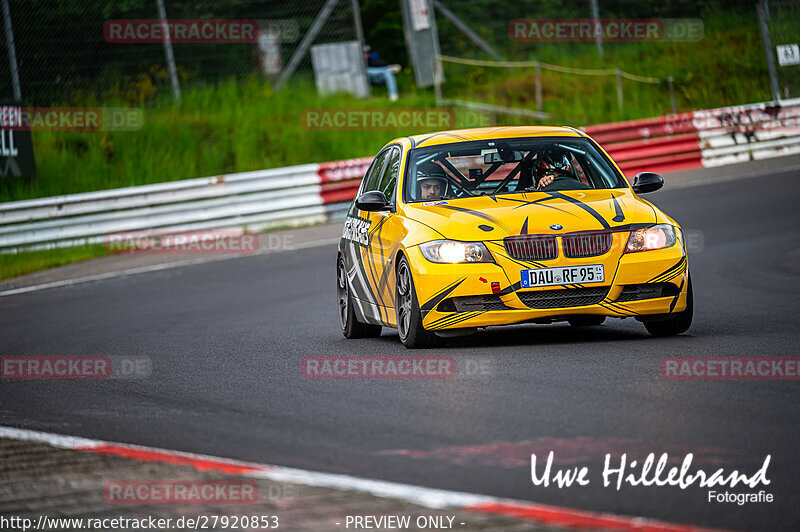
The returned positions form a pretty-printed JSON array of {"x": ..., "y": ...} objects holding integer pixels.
[{"x": 226, "y": 340}]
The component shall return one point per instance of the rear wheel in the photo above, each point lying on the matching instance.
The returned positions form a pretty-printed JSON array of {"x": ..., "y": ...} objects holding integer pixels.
[
  {"x": 351, "y": 327},
  {"x": 677, "y": 324},
  {"x": 587, "y": 321},
  {"x": 409, "y": 317}
]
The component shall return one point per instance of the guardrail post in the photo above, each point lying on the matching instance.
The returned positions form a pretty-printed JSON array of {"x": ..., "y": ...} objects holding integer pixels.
[
  {"x": 539, "y": 104},
  {"x": 619, "y": 89}
]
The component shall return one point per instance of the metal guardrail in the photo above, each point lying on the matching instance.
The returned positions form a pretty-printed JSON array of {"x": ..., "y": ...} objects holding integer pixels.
[
  {"x": 315, "y": 193},
  {"x": 258, "y": 200},
  {"x": 705, "y": 138}
]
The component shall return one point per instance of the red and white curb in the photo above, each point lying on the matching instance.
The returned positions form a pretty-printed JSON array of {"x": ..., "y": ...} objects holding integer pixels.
[{"x": 427, "y": 497}]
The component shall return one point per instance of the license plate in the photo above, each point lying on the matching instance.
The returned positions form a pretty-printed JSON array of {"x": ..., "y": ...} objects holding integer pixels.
[{"x": 592, "y": 273}]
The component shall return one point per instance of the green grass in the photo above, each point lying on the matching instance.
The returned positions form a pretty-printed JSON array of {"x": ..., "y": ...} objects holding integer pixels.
[
  {"x": 13, "y": 265},
  {"x": 226, "y": 128}
]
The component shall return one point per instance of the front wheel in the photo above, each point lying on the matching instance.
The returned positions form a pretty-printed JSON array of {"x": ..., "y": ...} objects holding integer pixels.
[
  {"x": 677, "y": 324},
  {"x": 409, "y": 317},
  {"x": 351, "y": 327}
]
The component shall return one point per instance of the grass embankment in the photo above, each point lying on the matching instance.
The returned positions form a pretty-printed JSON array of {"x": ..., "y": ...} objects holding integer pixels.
[{"x": 13, "y": 265}]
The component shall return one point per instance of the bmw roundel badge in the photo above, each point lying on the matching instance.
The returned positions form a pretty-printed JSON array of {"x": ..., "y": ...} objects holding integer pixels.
[{"x": 556, "y": 227}]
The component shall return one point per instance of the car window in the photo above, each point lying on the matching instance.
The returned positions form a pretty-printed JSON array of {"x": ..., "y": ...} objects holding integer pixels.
[
  {"x": 372, "y": 178},
  {"x": 390, "y": 173},
  {"x": 507, "y": 166}
]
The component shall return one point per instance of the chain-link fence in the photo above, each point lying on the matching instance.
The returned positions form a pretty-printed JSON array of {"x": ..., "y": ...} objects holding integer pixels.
[
  {"x": 611, "y": 68},
  {"x": 64, "y": 53},
  {"x": 784, "y": 30}
]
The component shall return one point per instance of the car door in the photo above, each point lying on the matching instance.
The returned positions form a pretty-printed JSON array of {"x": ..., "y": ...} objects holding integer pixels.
[
  {"x": 355, "y": 246},
  {"x": 385, "y": 234}
]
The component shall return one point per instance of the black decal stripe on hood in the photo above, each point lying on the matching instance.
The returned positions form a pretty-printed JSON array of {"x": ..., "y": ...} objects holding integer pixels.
[
  {"x": 479, "y": 214},
  {"x": 431, "y": 303},
  {"x": 540, "y": 203},
  {"x": 583, "y": 206},
  {"x": 526, "y": 203}
]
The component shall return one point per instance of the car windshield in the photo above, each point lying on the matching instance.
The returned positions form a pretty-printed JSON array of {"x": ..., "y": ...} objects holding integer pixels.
[{"x": 507, "y": 166}]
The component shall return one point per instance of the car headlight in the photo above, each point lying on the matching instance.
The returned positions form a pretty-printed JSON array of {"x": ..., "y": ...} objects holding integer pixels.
[
  {"x": 452, "y": 251},
  {"x": 656, "y": 237}
]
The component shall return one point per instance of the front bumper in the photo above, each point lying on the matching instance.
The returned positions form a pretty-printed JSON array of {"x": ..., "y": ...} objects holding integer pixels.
[{"x": 462, "y": 295}]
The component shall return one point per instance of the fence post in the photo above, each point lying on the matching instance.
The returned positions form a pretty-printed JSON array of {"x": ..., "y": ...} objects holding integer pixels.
[
  {"x": 619, "y": 89},
  {"x": 672, "y": 96},
  {"x": 539, "y": 104},
  {"x": 12, "y": 52},
  {"x": 763, "y": 16},
  {"x": 173, "y": 74},
  {"x": 598, "y": 37},
  {"x": 305, "y": 44}
]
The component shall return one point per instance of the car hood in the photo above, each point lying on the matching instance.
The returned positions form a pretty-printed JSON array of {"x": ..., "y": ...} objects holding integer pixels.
[{"x": 496, "y": 217}]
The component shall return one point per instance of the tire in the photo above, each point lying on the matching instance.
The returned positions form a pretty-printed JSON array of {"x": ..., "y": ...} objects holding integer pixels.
[
  {"x": 677, "y": 324},
  {"x": 351, "y": 327},
  {"x": 587, "y": 321},
  {"x": 409, "y": 317}
]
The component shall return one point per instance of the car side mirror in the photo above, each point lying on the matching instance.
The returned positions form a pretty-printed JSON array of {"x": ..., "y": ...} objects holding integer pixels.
[
  {"x": 372, "y": 201},
  {"x": 647, "y": 182}
]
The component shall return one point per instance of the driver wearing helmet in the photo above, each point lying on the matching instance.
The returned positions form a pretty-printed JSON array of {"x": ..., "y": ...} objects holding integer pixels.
[
  {"x": 431, "y": 181},
  {"x": 555, "y": 172}
]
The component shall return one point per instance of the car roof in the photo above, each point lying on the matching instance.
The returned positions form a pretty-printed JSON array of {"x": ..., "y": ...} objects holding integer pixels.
[{"x": 484, "y": 133}]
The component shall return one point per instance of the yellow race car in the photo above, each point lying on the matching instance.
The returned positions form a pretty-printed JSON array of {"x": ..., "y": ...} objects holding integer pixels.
[{"x": 458, "y": 230}]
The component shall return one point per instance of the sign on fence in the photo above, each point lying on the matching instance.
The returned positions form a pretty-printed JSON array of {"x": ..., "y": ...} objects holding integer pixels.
[
  {"x": 788, "y": 54},
  {"x": 16, "y": 145}
]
